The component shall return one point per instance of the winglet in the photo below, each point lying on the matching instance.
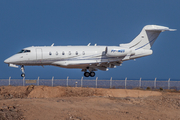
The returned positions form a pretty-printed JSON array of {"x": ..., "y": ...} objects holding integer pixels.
[
  {"x": 172, "y": 29},
  {"x": 89, "y": 44},
  {"x": 52, "y": 45}
]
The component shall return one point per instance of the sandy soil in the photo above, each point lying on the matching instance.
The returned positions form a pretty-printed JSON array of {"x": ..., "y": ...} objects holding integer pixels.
[{"x": 69, "y": 103}]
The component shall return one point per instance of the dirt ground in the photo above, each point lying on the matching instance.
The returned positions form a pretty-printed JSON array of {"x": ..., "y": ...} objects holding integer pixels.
[{"x": 69, "y": 103}]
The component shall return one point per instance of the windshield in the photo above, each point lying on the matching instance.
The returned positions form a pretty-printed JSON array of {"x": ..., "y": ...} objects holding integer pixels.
[{"x": 24, "y": 51}]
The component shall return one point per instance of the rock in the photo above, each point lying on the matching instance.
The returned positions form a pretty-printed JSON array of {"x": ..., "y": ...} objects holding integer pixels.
[
  {"x": 4, "y": 107},
  {"x": 11, "y": 108}
]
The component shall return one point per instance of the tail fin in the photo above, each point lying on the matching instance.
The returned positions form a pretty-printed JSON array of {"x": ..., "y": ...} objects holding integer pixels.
[{"x": 147, "y": 37}]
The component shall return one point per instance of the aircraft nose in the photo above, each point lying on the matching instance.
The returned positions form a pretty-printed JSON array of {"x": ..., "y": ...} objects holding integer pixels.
[{"x": 7, "y": 61}]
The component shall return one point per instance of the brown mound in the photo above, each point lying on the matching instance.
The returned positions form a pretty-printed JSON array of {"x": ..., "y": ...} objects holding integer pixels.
[
  {"x": 69, "y": 103},
  {"x": 55, "y": 92},
  {"x": 131, "y": 93},
  {"x": 7, "y": 92}
]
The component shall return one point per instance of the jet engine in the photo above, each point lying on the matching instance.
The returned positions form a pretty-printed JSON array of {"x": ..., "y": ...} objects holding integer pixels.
[{"x": 116, "y": 51}]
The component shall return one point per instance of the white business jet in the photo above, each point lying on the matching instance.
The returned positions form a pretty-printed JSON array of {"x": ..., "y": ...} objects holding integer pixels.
[{"x": 88, "y": 58}]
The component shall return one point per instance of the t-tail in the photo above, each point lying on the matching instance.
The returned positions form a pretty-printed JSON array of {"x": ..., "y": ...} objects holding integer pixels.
[{"x": 147, "y": 37}]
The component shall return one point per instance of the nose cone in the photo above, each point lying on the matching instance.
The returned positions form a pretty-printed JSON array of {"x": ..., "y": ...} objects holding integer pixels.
[
  {"x": 7, "y": 61},
  {"x": 13, "y": 59}
]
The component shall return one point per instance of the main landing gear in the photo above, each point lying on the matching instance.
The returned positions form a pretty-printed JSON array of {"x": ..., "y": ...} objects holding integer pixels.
[
  {"x": 22, "y": 69},
  {"x": 87, "y": 74},
  {"x": 90, "y": 73}
]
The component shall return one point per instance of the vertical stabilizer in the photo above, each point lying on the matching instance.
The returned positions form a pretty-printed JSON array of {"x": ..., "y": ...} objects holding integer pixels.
[{"x": 147, "y": 37}]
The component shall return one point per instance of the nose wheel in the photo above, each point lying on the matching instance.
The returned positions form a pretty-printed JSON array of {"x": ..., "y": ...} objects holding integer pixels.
[
  {"x": 87, "y": 74},
  {"x": 22, "y": 75},
  {"x": 22, "y": 69}
]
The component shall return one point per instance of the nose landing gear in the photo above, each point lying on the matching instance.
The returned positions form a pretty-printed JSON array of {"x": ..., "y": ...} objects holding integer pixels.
[
  {"x": 22, "y": 75},
  {"x": 22, "y": 69}
]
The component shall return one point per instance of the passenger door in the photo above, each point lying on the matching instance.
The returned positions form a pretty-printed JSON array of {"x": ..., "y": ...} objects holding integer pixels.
[{"x": 39, "y": 55}]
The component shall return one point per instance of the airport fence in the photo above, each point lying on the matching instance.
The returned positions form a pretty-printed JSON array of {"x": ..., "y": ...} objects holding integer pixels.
[{"x": 95, "y": 83}]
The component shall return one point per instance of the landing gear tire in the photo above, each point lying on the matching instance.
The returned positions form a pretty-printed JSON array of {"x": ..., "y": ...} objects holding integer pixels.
[
  {"x": 22, "y": 75},
  {"x": 86, "y": 74},
  {"x": 92, "y": 74},
  {"x": 22, "y": 69}
]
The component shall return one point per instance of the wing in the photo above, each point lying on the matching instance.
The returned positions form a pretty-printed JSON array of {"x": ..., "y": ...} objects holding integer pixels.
[
  {"x": 88, "y": 65},
  {"x": 102, "y": 66}
]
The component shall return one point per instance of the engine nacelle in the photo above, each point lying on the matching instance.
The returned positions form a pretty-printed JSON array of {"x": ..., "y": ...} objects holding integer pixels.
[{"x": 116, "y": 51}]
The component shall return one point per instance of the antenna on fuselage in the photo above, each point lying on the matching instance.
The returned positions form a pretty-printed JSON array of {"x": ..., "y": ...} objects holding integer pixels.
[
  {"x": 89, "y": 44},
  {"x": 52, "y": 45}
]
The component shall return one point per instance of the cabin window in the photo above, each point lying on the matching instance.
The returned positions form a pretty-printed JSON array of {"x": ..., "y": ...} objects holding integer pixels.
[
  {"x": 83, "y": 53},
  {"x": 69, "y": 52},
  {"x": 76, "y": 52},
  {"x": 63, "y": 53},
  {"x": 56, "y": 53},
  {"x": 50, "y": 53}
]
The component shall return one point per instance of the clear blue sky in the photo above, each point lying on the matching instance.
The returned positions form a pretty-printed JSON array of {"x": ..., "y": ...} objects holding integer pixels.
[{"x": 26, "y": 23}]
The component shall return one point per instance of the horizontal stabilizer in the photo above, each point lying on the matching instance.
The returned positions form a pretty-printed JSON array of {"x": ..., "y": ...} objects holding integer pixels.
[{"x": 158, "y": 28}]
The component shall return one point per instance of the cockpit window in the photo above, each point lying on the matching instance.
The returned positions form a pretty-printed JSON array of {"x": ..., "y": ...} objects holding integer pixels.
[
  {"x": 24, "y": 51},
  {"x": 21, "y": 51},
  {"x": 27, "y": 51}
]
